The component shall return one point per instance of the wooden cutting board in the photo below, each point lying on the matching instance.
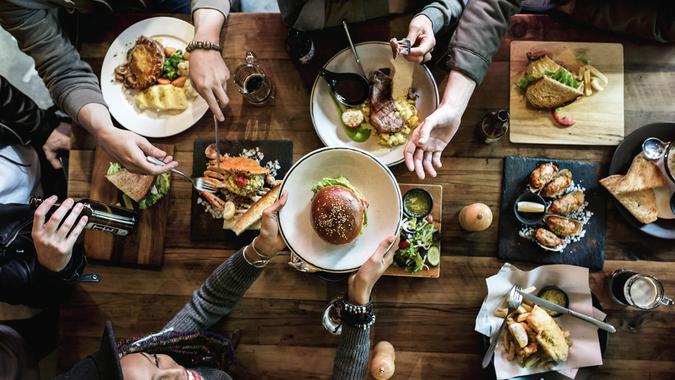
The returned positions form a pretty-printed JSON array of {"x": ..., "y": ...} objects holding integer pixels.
[
  {"x": 436, "y": 192},
  {"x": 599, "y": 117},
  {"x": 144, "y": 246}
]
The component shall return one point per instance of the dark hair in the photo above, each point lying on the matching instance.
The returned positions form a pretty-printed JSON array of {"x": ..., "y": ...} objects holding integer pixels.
[
  {"x": 13, "y": 354},
  {"x": 192, "y": 349}
]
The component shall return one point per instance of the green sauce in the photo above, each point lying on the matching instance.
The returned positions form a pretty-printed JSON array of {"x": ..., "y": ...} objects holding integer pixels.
[{"x": 417, "y": 203}]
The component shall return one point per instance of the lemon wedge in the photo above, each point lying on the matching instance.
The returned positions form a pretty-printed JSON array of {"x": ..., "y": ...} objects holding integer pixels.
[{"x": 530, "y": 207}]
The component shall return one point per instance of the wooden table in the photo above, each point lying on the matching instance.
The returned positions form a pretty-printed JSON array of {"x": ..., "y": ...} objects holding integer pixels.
[{"x": 430, "y": 322}]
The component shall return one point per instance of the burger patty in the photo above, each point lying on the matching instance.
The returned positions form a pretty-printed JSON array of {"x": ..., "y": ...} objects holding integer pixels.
[{"x": 337, "y": 214}]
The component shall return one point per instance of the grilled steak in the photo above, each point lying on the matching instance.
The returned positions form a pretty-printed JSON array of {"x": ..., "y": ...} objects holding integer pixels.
[{"x": 383, "y": 114}]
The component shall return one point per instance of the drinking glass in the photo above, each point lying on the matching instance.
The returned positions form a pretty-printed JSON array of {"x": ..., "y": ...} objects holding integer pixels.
[
  {"x": 252, "y": 82},
  {"x": 645, "y": 292}
]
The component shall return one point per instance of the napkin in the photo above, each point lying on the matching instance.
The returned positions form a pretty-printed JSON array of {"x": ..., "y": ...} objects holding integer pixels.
[{"x": 585, "y": 349}]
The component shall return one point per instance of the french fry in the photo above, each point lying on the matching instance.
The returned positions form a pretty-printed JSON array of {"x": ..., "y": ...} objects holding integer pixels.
[
  {"x": 522, "y": 317},
  {"x": 529, "y": 289},
  {"x": 588, "y": 91},
  {"x": 596, "y": 73},
  {"x": 521, "y": 310},
  {"x": 527, "y": 307},
  {"x": 501, "y": 312}
]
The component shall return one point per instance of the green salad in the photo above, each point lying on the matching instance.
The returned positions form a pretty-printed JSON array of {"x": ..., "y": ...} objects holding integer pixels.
[
  {"x": 170, "y": 68},
  {"x": 419, "y": 245}
]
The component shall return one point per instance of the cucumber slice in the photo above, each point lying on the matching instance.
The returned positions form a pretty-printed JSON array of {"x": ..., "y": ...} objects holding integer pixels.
[{"x": 434, "y": 256}]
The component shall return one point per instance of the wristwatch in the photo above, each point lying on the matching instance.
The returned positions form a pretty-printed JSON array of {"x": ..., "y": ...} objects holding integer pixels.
[{"x": 203, "y": 45}]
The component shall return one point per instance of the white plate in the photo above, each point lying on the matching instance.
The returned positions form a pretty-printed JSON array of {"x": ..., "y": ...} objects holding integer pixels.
[
  {"x": 171, "y": 32},
  {"x": 370, "y": 176},
  {"x": 373, "y": 55}
]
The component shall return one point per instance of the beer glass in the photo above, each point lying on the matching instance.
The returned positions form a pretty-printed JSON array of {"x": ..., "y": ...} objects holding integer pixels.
[
  {"x": 252, "y": 82},
  {"x": 639, "y": 290}
]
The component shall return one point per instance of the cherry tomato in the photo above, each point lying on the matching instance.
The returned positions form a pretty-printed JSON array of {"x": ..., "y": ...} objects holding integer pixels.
[
  {"x": 404, "y": 244},
  {"x": 241, "y": 181},
  {"x": 564, "y": 121}
]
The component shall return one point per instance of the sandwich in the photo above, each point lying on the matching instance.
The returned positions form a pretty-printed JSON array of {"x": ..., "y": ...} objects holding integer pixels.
[
  {"x": 238, "y": 175},
  {"x": 550, "y": 336},
  {"x": 146, "y": 190},
  {"x": 338, "y": 211},
  {"x": 549, "y": 85}
]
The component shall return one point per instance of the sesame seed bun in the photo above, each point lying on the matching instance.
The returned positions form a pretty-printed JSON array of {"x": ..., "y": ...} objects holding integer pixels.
[{"x": 337, "y": 214}]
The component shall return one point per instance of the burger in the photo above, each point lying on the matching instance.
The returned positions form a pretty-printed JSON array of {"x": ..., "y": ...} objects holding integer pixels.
[{"x": 338, "y": 211}]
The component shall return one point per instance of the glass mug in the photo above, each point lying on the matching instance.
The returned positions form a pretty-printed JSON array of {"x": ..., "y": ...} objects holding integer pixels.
[
  {"x": 639, "y": 290},
  {"x": 252, "y": 82}
]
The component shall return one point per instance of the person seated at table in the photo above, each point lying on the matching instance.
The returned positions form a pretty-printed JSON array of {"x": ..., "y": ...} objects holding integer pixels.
[
  {"x": 75, "y": 88},
  {"x": 39, "y": 261},
  {"x": 184, "y": 349},
  {"x": 434, "y": 17},
  {"x": 477, "y": 38}
]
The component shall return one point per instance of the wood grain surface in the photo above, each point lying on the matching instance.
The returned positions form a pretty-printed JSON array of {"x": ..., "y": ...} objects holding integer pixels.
[
  {"x": 429, "y": 321},
  {"x": 599, "y": 117},
  {"x": 145, "y": 245},
  {"x": 436, "y": 192}
]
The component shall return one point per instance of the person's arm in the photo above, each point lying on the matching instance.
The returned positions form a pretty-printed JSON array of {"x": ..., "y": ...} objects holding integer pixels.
[
  {"x": 443, "y": 13},
  {"x": 651, "y": 20},
  {"x": 208, "y": 72},
  {"x": 224, "y": 288},
  {"x": 21, "y": 120},
  {"x": 351, "y": 357},
  {"x": 74, "y": 87},
  {"x": 478, "y": 36}
]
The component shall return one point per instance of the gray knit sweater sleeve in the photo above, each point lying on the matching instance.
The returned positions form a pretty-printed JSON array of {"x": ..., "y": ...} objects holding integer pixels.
[
  {"x": 217, "y": 296},
  {"x": 351, "y": 359}
]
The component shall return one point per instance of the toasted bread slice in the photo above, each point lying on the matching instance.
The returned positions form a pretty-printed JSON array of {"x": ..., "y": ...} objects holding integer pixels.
[
  {"x": 641, "y": 175},
  {"x": 135, "y": 186},
  {"x": 549, "y": 93},
  {"x": 254, "y": 213},
  {"x": 239, "y": 165},
  {"x": 642, "y": 204},
  {"x": 541, "y": 66},
  {"x": 549, "y": 335}
]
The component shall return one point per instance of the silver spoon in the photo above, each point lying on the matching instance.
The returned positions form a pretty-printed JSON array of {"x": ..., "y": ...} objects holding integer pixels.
[
  {"x": 351, "y": 44},
  {"x": 654, "y": 149},
  {"x": 515, "y": 299}
]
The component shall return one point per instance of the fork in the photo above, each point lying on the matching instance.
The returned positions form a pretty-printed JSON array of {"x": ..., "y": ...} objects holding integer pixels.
[
  {"x": 404, "y": 46},
  {"x": 199, "y": 183},
  {"x": 514, "y": 301}
]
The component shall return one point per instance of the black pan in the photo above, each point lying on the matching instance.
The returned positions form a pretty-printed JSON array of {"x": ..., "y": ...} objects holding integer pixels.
[{"x": 623, "y": 156}]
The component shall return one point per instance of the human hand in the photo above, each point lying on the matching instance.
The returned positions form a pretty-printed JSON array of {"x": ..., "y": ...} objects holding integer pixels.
[
  {"x": 54, "y": 240},
  {"x": 58, "y": 140},
  {"x": 130, "y": 150},
  {"x": 209, "y": 76},
  {"x": 425, "y": 146},
  {"x": 421, "y": 36},
  {"x": 427, "y": 142},
  {"x": 269, "y": 241},
  {"x": 361, "y": 283},
  {"x": 208, "y": 72}
]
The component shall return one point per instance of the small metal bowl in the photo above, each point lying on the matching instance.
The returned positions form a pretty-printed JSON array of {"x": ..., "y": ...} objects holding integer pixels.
[
  {"x": 421, "y": 193},
  {"x": 529, "y": 218},
  {"x": 566, "y": 303}
]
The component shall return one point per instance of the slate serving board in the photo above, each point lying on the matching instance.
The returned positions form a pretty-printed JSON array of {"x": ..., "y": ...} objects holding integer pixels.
[
  {"x": 202, "y": 226},
  {"x": 588, "y": 252}
]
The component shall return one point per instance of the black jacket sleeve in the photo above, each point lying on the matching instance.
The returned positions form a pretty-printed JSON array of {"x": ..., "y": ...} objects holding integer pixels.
[{"x": 21, "y": 120}]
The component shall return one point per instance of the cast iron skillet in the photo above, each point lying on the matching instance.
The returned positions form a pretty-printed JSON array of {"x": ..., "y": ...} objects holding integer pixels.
[{"x": 623, "y": 156}]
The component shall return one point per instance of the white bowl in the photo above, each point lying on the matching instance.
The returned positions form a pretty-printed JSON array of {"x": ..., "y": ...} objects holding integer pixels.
[
  {"x": 373, "y": 55},
  {"x": 370, "y": 176}
]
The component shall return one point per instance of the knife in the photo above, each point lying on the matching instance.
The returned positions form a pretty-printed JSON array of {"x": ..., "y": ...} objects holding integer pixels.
[{"x": 554, "y": 307}]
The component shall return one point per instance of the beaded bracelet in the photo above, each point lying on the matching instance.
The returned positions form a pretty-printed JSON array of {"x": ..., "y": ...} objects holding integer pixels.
[{"x": 359, "y": 316}]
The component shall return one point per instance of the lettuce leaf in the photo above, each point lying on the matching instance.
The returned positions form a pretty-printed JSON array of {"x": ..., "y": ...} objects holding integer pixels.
[
  {"x": 563, "y": 76},
  {"x": 114, "y": 168},
  {"x": 158, "y": 190}
]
